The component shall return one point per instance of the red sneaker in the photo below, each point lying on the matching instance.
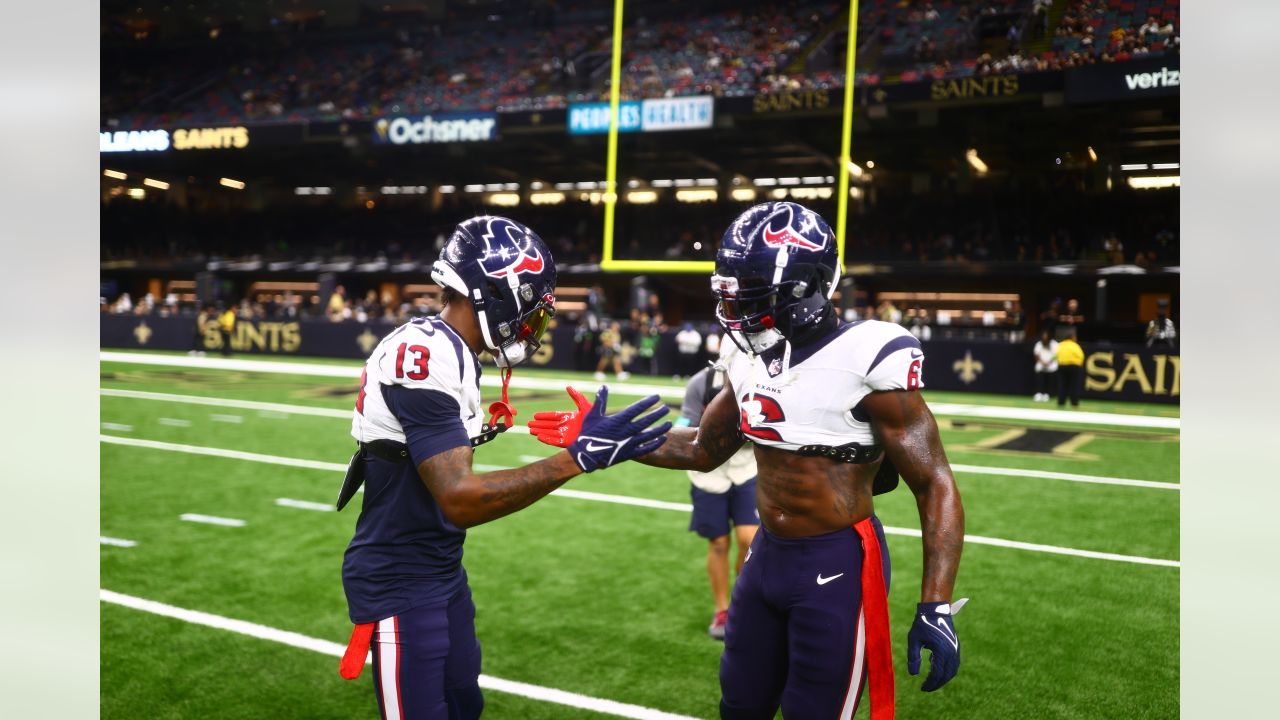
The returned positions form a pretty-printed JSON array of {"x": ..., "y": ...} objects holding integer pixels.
[{"x": 718, "y": 624}]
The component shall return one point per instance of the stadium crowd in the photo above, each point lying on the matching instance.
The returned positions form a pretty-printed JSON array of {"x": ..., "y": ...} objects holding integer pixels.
[{"x": 515, "y": 65}]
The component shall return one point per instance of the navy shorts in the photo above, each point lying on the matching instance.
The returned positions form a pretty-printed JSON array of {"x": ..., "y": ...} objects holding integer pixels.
[
  {"x": 712, "y": 512},
  {"x": 426, "y": 662}
]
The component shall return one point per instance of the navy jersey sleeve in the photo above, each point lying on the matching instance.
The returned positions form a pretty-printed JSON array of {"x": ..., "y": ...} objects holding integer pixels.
[{"x": 431, "y": 420}]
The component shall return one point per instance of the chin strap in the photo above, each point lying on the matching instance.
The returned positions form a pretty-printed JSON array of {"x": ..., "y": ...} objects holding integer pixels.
[{"x": 501, "y": 415}]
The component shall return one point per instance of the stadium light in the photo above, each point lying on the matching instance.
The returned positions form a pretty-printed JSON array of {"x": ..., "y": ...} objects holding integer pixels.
[
  {"x": 812, "y": 193},
  {"x": 473, "y": 188},
  {"x": 693, "y": 196},
  {"x": 546, "y": 198},
  {"x": 535, "y": 185},
  {"x": 1164, "y": 166},
  {"x": 663, "y": 183},
  {"x": 743, "y": 194},
  {"x": 642, "y": 197},
  {"x": 706, "y": 182},
  {"x": 115, "y": 174},
  {"x": 813, "y": 180},
  {"x": 157, "y": 184},
  {"x": 1093, "y": 155},
  {"x": 504, "y": 199},
  {"x": 855, "y": 169},
  {"x": 871, "y": 164},
  {"x": 137, "y": 193},
  {"x": 1154, "y": 182},
  {"x": 448, "y": 188},
  {"x": 684, "y": 182},
  {"x": 233, "y": 184},
  {"x": 493, "y": 187},
  {"x": 1131, "y": 167},
  {"x": 976, "y": 162}
]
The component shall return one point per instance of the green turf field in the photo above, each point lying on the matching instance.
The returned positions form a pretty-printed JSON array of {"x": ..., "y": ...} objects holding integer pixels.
[{"x": 603, "y": 599}]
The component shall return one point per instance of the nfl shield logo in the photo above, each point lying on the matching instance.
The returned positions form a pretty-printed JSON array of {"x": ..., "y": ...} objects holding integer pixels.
[{"x": 775, "y": 367}]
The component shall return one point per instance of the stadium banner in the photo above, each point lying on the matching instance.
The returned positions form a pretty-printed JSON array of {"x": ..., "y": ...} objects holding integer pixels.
[
  {"x": 655, "y": 115},
  {"x": 1129, "y": 80},
  {"x": 790, "y": 101},
  {"x": 133, "y": 141},
  {"x": 1116, "y": 372},
  {"x": 962, "y": 91},
  {"x": 436, "y": 128},
  {"x": 548, "y": 118}
]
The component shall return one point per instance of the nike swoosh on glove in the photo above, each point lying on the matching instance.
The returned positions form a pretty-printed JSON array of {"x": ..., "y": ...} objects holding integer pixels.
[
  {"x": 934, "y": 629},
  {"x": 610, "y": 439},
  {"x": 560, "y": 428}
]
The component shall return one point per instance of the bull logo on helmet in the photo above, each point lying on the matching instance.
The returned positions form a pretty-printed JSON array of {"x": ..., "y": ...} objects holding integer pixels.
[
  {"x": 511, "y": 255},
  {"x": 789, "y": 237}
]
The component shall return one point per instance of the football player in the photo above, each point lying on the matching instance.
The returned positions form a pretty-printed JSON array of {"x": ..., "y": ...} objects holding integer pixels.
[
  {"x": 417, "y": 418},
  {"x": 829, "y": 406}
]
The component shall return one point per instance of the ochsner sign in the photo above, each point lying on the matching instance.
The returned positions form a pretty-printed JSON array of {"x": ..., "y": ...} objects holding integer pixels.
[{"x": 442, "y": 128}]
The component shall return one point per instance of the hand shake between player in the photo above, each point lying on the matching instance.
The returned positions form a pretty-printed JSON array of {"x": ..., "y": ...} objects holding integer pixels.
[{"x": 596, "y": 440}]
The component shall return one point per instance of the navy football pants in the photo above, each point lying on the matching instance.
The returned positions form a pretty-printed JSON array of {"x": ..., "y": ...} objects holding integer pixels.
[
  {"x": 426, "y": 662},
  {"x": 796, "y": 635}
]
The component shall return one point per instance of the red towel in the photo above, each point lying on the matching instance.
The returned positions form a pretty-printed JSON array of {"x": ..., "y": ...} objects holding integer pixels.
[
  {"x": 875, "y": 605},
  {"x": 357, "y": 651}
]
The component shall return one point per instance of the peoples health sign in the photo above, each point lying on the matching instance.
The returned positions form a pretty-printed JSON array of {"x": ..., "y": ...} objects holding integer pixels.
[{"x": 686, "y": 113}]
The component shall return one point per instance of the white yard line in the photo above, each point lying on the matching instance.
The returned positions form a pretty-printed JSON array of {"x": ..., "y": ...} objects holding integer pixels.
[
  {"x": 627, "y": 500},
  {"x": 220, "y": 452},
  {"x": 332, "y": 649},
  {"x": 305, "y": 505},
  {"x": 229, "y": 419},
  {"x": 118, "y": 427},
  {"x": 211, "y": 520},
  {"x": 1070, "y": 477},
  {"x": 115, "y": 542},
  {"x": 669, "y": 392},
  {"x": 174, "y": 422},
  {"x": 521, "y": 429}
]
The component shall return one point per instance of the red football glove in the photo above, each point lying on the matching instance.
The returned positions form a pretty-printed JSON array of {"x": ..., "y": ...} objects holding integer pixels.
[{"x": 559, "y": 428}]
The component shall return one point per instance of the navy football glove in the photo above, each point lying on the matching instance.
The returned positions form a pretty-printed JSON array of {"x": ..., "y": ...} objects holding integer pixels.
[
  {"x": 610, "y": 439},
  {"x": 934, "y": 629}
]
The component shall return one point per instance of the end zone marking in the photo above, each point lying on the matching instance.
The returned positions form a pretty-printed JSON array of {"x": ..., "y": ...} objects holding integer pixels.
[
  {"x": 211, "y": 520},
  {"x": 305, "y": 505},
  {"x": 115, "y": 542},
  {"x": 333, "y": 649}
]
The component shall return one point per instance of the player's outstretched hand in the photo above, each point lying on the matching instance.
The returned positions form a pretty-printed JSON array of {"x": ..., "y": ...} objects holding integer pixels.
[
  {"x": 560, "y": 428},
  {"x": 610, "y": 439},
  {"x": 935, "y": 630}
]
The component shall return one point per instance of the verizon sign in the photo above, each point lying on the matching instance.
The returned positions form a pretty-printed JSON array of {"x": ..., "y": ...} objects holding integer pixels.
[{"x": 1151, "y": 77}]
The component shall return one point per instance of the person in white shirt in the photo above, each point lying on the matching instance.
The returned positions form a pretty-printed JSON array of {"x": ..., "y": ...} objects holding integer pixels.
[
  {"x": 1046, "y": 353},
  {"x": 688, "y": 345}
]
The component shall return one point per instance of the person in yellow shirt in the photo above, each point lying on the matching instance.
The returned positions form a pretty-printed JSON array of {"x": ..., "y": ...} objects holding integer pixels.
[
  {"x": 1070, "y": 369},
  {"x": 227, "y": 323}
]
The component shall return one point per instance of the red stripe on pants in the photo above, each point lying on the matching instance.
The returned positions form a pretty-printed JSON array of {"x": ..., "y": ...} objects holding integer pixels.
[{"x": 875, "y": 604}]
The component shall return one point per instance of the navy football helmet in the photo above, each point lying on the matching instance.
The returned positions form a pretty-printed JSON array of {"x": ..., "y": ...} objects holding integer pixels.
[
  {"x": 508, "y": 274},
  {"x": 776, "y": 270}
]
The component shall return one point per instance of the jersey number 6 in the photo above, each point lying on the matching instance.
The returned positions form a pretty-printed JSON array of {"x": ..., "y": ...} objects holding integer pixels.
[
  {"x": 913, "y": 376},
  {"x": 421, "y": 356}
]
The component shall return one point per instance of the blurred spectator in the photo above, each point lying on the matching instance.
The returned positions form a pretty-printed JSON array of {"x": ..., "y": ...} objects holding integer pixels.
[
  {"x": 1070, "y": 369},
  {"x": 611, "y": 352},
  {"x": 688, "y": 346},
  {"x": 1072, "y": 317},
  {"x": 1046, "y": 356},
  {"x": 1162, "y": 330},
  {"x": 227, "y": 324},
  {"x": 647, "y": 340},
  {"x": 338, "y": 309},
  {"x": 203, "y": 319}
]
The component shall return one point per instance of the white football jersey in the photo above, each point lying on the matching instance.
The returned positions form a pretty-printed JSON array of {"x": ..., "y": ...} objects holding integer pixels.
[
  {"x": 424, "y": 353},
  {"x": 811, "y": 395}
]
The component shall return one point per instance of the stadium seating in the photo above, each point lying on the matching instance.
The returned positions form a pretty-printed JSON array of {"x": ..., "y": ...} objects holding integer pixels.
[{"x": 730, "y": 53}]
